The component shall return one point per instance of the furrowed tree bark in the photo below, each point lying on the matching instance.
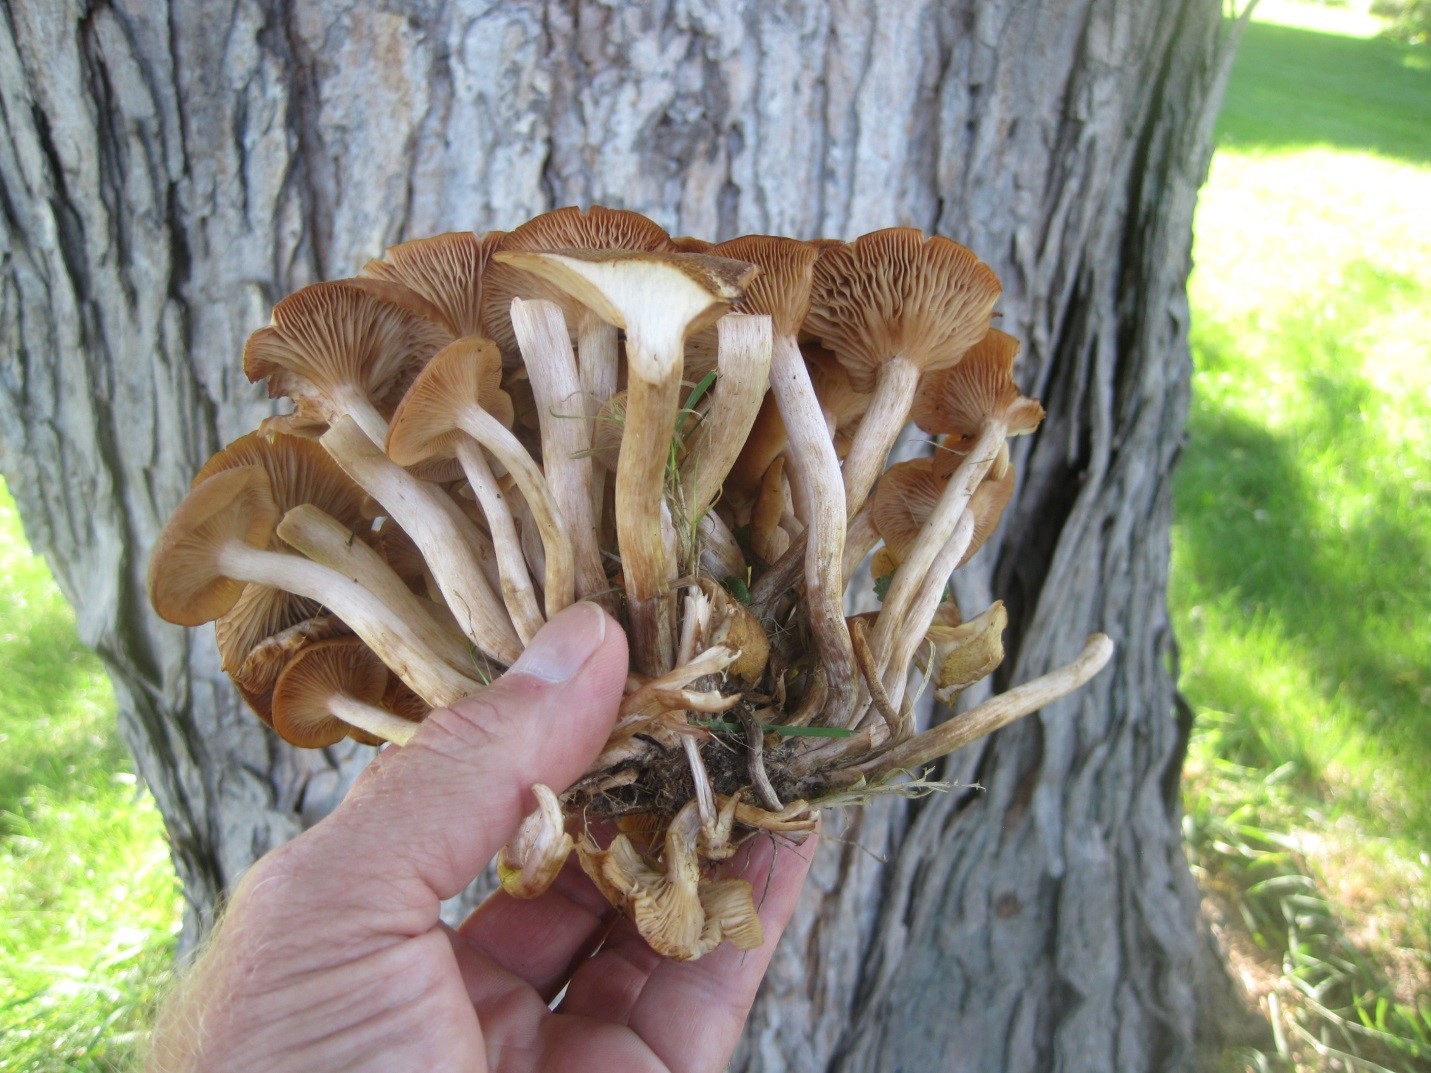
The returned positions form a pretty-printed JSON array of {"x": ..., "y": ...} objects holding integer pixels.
[{"x": 165, "y": 177}]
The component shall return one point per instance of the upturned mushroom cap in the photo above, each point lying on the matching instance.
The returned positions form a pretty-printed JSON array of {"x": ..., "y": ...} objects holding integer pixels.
[
  {"x": 567, "y": 228},
  {"x": 896, "y": 292},
  {"x": 301, "y": 713},
  {"x": 466, "y": 372},
  {"x": 184, "y": 584},
  {"x": 959, "y": 401},
  {"x": 678, "y": 292},
  {"x": 446, "y": 270},
  {"x": 966, "y": 653},
  {"x": 333, "y": 341}
]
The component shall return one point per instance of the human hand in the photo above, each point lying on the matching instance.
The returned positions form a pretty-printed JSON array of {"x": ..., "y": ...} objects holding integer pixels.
[{"x": 332, "y": 955}]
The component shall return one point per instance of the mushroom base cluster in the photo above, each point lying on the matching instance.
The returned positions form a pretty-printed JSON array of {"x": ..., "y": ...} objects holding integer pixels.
[{"x": 485, "y": 429}]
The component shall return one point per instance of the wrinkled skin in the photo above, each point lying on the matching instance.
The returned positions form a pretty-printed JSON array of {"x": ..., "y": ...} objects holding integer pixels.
[{"x": 332, "y": 955}]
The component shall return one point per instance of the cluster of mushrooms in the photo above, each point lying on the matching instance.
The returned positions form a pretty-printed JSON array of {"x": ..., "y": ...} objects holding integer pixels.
[{"x": 692, "y": 435}]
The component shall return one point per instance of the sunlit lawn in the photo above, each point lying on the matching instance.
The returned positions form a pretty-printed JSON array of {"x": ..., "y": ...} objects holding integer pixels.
[
  {"x": 1302, "y": 581},
  {"x": 87, "y": 894}
]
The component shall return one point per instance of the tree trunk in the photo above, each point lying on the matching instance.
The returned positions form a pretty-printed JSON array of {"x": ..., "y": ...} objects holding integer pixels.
[{"x": 165, "y": 179}]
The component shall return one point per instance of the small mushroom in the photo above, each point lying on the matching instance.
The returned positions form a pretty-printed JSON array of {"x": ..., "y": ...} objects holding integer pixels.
[
  {"x": 894, "y": 305},
  {"x": 340, "y": 346},
  {"x": 529, "y": 863},
  {"x": 445, "y": 270},
  {"x": 329, "y": 689},
  {"x": 217, "y": 542}
]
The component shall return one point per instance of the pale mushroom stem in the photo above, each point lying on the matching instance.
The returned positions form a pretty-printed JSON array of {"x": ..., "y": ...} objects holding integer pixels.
[
  {"x": 352, "y": 401},
  {"x": 326, "y": 541},
  {"x": 448, "y": 540},
  {"x": 743, "y": 359},
  {"x": 574, "y": 482},
  {"x": 700, "y": 777},
  {"x": 374, "y": 720},
  {"x": 559, "y": 582},
  {"x": 895, "y": 673},
  {"x": 910, "y": 576},
  {"x": 394, "y": 640},
  {"x": 721, "y": 556},
  {"x": 860, "y": 539},
  {"x": 888, "y": 412},
  {"x": 822, "y": 507},
  {"x": 598, "y": 351},
  {"x": 988, "y": 717},
  {"x": 652, "y": 400},
  {"x": 518, "y": 593}
]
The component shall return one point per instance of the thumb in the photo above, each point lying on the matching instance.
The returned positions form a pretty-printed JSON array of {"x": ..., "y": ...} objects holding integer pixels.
[{"x": 425, "y": 819}]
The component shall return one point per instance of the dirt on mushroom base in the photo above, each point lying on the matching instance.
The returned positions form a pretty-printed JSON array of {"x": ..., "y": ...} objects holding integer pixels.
[{"x": 752, "y": 701}]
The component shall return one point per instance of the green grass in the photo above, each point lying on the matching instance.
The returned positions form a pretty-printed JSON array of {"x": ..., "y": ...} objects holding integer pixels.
[
  {"x": 1301, "y": 589},
  {"x": 87, "y": 892}
]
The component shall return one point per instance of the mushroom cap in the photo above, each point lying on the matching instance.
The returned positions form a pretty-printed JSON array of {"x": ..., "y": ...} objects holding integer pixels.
[
  {"x": 679, "y": 292},
  {"x": 896, "y": 292},
  {"x": 311, "y": 678},
  {"x": 446, "y": 270},
  {"x": 782, "y": 289},
  {"x": 259, "y": 670},
  {"x": 968, "y": 652},
  {"x": 959, "y": 401},
  {"x": 567, "y": 228},
  {"x": 333, "y": 336},
  {"x": 299, "y": 471},
  {"x": 465, "y": 373},
  {"x": 903, "y": 500},
  {"x": 185, "y": 586}
]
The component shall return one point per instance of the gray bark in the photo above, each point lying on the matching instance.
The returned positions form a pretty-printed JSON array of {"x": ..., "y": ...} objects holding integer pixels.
[{"x": 165, "y": 177}]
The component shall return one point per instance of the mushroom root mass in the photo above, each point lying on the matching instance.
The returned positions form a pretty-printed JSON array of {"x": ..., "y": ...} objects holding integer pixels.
[{"x": 694, "y": 436}]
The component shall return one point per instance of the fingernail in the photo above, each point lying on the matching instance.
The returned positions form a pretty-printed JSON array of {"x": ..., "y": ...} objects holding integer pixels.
[{"x": 563, "y": 645}]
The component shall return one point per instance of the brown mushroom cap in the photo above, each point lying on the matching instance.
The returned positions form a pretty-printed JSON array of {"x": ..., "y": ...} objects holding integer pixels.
[
  {"x": 896, "y": 292},
  {"x": 466, "y": 372},
  {"x": 299, "y": 471},
  {"x": 959, "y": 401},
  {"x": 567, "y": 228},
  {"x": 300, "y": 696},
  {"x": 184, "y": 584},
  {"x": 903, "y": 500},
  {"x": 446, "y": 270},
  {"x": 782, "y": 289},
  {"x": 334, "y": 341}
]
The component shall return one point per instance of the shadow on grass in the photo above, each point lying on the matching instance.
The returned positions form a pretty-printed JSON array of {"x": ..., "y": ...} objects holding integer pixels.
[
  {"x": 1254, "y": 526},
  {"x": 1292, "y": 88}
]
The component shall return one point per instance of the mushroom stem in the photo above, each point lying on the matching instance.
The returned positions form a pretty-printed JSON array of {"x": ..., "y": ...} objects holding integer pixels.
[
  {"x": 990, "y": 716},
  {"x": 895, "y": 672},
  {"x": 573, "y": 481},
  {"x": 910, "y": 576},
  {"x": 743, "y": 360},
  {"x": 599, "y": 364},
  {"x": 447, "y": 539},
  {"x": 860, "y": 539},
  {"x": 883, "y": 421},
  {"x": 559, "y": 583},
  {"x": 518, "y": 593},
  {"x": 326, "y": 541},
  {"x": 396, "y": 641},
  {"x": 721, "y": 556},
  {"x": 355, "y": 403},
  {"x": 374, "y": 720},
  {"x": 822, "y": 507}
]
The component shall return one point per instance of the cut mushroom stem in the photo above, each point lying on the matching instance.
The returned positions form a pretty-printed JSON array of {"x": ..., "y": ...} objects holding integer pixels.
[
  {"x": 566, "y": 441},
  {"x": 598, "y": 354},
  {"x": 988, "y": 717},
  {"x": 448, "y": 540}
]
